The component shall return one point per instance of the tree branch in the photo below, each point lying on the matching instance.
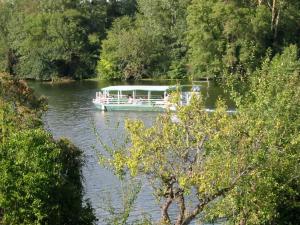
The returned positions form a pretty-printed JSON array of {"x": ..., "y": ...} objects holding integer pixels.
[
  {"x": 165, "y": 215},
  {"x": 182, "y": 208},
  {"x": 207, "y": 200},
  {"x": 165, "y": 218},
  {"x": 199, "y": 149}
]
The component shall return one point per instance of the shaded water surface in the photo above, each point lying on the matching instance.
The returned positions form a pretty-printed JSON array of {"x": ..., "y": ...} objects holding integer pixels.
[{"x": 72, "y": 114}]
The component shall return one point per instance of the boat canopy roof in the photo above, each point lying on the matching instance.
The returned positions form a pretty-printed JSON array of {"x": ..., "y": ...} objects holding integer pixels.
[{"x": 138, "y": 88}]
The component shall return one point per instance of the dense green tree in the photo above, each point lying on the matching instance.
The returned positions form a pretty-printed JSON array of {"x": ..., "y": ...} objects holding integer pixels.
[
  {"x": 20, "y": 103},
  {"x": 44, "y": 189},
  {"x": 156, "y": 45},
  {"x": 40, "y": 177},
  {"x": 7, "y": 57},
  {"x": 52, "y": 41},
  {"x": 271, "y": 194},
  {"x": 119, "y": 8},
  {"x": 220, "y": 37},
  {"x": 231, "y": 36},
  {"x": 167, "y": 19},
  {"x": 196, "y": 38},
  {"x": 48, "y": 39},
  {"x": 225, "y": 37},
  {"x": 128, "y": 51}
]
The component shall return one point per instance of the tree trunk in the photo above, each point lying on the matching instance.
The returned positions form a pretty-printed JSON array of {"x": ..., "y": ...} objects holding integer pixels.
[
  {"x": 276, "y": 24},
  {"x": 182, "y": 208},
  {"x": 273, "y": 14},
  {"x": 193, "y": 215},
  {"x": 276, "y": 8},
  {"x": 10, "y": 61},
  {"x": 164, "y": 211}
]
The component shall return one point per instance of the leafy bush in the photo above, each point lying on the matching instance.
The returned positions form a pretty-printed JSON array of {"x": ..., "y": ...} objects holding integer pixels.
[{"x": 41, "y": 179}]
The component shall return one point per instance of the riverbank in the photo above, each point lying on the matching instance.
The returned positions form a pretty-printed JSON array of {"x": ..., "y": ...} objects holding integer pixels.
[{"x": 62, "y": 80}]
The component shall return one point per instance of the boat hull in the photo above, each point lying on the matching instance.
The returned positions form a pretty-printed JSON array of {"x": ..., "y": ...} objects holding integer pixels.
[{"x": 130, "y": 107}]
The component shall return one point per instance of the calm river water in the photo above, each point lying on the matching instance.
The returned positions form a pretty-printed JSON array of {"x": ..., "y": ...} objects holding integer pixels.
[{"x": 71, "y": 114}]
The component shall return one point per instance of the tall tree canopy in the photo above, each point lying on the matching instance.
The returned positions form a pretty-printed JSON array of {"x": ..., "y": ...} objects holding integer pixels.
[
  {"x": 188, "y": 38},
  {"x": 52, "y": 39},
  {"x": 199, "y": 38},
  {"x": 152, "y": 45},
  {"x": 231, "y": 36}
]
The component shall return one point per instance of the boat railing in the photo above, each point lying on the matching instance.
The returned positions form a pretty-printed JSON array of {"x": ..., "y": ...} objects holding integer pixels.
[
  {"x": 137, "y": 101},
  {"x": 144, "y": 97}
]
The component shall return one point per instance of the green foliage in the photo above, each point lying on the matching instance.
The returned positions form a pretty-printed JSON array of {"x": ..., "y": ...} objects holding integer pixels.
[
  {"x": 70, "y": 190},
  {"x": 273, "y": 107},
  {"x": 45, "y": 189},
  {"x": 127, "y": 52},
  {"x": 40, "y": 177},
  {"x": 200, "y": 38},
  {"x": 171, "y": 38},
  {"x": 7, "y": 57},
  {"x": 46, "y": 39},
  {"x": 27, "y": 186},
  {"x": 149, "y": 45},
  {"x": 177, "y": 70},
  {"x": 51, "y": 44},
  {"x": 233, "y": 36},
  {"x": 119, "y": 203},
  {"x": 110, "y": 55},
  {"x": 219, "y": 37},
  {"x": 18, "y": 102},
  {"x": 116, "y": 9},
  {"x": 225, "y": 36}
]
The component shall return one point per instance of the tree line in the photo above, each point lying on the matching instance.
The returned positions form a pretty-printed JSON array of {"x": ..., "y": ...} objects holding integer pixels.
[
  {"x": 197, "y": 38},
  {"x": 143, "y": 39}
]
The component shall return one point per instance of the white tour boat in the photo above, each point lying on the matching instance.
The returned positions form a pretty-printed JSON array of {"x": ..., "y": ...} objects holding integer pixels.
[{"x": 138, "y": 98}]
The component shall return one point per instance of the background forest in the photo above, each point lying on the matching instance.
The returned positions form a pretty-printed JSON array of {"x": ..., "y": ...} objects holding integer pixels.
[{"x": 127, "y": 39}]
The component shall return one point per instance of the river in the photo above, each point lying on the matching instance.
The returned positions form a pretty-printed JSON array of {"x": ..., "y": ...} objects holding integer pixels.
[{"x": 71, "y": 114}]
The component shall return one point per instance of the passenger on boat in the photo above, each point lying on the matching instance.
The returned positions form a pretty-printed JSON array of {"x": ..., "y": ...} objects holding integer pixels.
[
  {"x": 167, "y": 102},
  {"x": 139, "y": 101},
  {"x": 130, "y": 100},
  {"x": 166, "y": 98},
  {"x": 99, "y": 97}
]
